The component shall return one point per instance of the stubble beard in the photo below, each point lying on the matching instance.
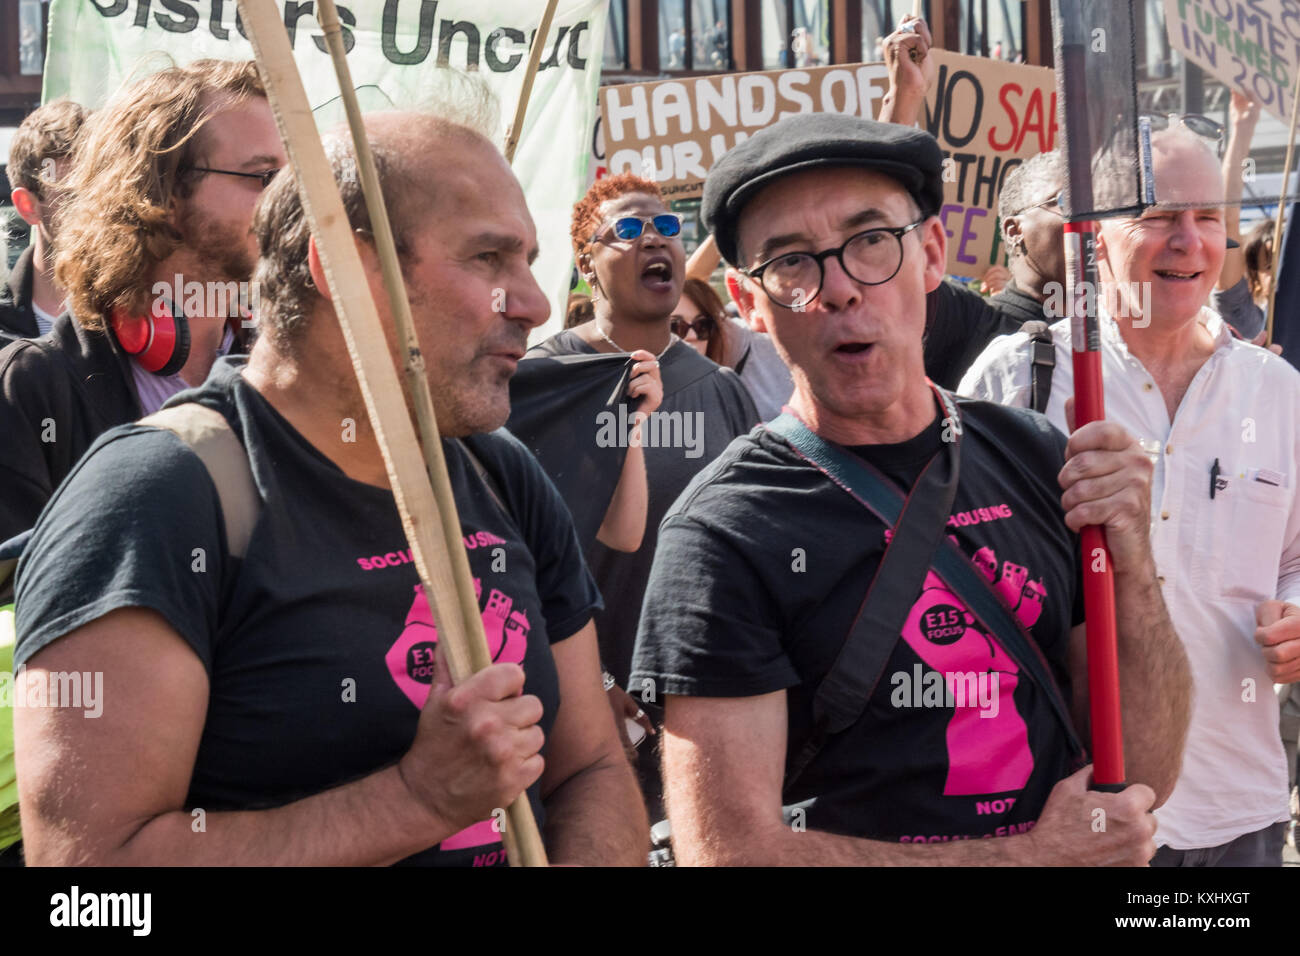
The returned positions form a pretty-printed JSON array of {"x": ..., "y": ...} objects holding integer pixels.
[
  {"x": 219, "y": 251},
  {"x": 470, "y": 403}
]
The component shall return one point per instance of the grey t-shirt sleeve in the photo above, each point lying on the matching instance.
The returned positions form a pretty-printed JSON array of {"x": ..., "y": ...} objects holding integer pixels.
[
  {"x": 742, "y": 414},
  {"x": 1238, "y": 309},
  {"x": 136, "y": 524}
]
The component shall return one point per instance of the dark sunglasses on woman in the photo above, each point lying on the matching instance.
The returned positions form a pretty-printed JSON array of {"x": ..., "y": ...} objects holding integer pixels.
[{"x": 702, "y": 327}]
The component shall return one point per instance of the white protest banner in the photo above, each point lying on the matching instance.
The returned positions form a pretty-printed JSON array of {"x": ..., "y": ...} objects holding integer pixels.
[
  {"x": 399, "y": 52},
  {"x": 987, "y": 116},
  {"x": 1253, "y": 46}
]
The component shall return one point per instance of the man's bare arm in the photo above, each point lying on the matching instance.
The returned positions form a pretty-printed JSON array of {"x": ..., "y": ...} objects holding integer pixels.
[
  {"x": 724, "y": 762},
  {"x": 703, "y": 260},
  {"x": 1155, "y": 684},
  {"x": 1244, "y": 117},
  {"x": 595, "y": 814},
  {"x": 112, "y": 790}
]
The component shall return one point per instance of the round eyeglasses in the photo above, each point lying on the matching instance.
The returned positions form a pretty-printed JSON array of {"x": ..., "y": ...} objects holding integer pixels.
[
  {"x": 793, "y": 279},
  {"x": 630, "y": 227}
]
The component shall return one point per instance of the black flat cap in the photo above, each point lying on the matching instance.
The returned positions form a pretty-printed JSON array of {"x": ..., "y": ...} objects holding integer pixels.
[{"x": 811, "y": 140}]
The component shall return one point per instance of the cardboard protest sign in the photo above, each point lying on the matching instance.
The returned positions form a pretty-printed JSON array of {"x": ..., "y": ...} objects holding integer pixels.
[
  {"x": 400, "y": 52},
  {"x": 675, "y": 130},
  {"x": 986, "y": 114},
  {"x": 1253, "y": 46}
]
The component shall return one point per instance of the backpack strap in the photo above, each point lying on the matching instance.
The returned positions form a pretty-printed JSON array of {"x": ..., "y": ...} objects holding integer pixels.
[
  {"x": 1042, "y": 361},
  {"x": 211, "y": 438}
]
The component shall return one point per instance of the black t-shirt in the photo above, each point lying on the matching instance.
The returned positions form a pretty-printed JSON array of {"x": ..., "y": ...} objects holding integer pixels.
[
  {"x": 958, "y": 325},
  {"x": 713, "y": 407},
  {"x": 319, "y": 644},
  {"x": 761, "y": 568}
]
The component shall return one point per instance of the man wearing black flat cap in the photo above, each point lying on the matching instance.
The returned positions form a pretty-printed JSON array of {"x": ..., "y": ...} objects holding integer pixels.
[{"x": 869, "y": 611}]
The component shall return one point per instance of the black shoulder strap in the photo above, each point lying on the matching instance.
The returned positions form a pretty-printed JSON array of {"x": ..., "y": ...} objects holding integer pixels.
[
  {"x": 876, "y": 493},
  {"x": 1042, "y": 360},
  {"x": 843, "y": 694},
  {"x": 740, "y": 366},
  {"x": 485, "y": 476}
]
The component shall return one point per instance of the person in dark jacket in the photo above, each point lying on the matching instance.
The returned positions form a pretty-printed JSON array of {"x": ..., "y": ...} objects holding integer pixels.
[
  {"x": 39, "y": 158},
  {"x": 155, "y": 255},
  {"x": 1033, "y": 224}
]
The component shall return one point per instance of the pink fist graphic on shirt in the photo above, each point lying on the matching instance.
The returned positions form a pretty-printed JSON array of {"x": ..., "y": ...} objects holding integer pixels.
[
  {"x": 1011, "y": 583},
  {"x": 411, "y": 658},
  {"x": 988, "y": 747},
  {"x": 411, "y": 662},
  {"x": 986, "y": 561}
]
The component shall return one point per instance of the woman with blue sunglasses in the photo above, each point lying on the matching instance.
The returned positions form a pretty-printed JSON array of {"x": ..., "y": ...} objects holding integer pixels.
[{"x": 628, "y": 247}]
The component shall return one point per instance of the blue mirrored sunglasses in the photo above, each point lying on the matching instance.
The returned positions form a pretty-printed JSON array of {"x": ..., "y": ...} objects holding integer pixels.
[{"x": 630, "y": 227}]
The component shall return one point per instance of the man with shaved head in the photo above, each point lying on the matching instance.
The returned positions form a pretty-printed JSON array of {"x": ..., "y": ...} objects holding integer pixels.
[
  {"x": 277, "y": 691},
  {"x": 1222, "y": 420}
]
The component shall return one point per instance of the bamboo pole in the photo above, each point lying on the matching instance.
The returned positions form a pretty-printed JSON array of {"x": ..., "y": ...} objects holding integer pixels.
[
  {"x": 1281, "y": 212},
  {"x": 420, "y": 485},
  {"x": 526, "y": 91}
]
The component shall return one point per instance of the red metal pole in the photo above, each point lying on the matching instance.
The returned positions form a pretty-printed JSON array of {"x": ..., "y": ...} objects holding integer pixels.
[{"x": 1098, "y": 575}]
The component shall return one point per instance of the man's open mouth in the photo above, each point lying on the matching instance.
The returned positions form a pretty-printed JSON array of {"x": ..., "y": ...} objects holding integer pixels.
[
  {"x": 854, "y": 349},
  {"x": 1173, "y": 276}
]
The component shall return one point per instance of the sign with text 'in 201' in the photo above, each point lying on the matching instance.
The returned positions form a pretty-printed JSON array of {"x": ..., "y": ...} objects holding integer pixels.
[{"x": 1253, "y": 46}]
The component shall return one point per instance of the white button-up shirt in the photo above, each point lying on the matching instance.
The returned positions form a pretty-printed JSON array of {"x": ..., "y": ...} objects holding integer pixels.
[{"x": 1217, "y": 558}]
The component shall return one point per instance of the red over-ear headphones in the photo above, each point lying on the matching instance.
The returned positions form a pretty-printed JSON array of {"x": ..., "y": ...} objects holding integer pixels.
[{"x": 160, "y": 341}]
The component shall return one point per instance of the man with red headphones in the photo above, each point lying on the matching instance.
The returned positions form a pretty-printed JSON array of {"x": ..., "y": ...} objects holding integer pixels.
[{"x": 155, "y": 256}]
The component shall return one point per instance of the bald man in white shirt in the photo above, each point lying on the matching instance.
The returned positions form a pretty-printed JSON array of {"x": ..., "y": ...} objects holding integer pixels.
[{"x": 1225, "y": 519}]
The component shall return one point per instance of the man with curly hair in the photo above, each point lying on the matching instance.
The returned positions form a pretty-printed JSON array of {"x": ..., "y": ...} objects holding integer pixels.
[{"x": 155, "y": 254}]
